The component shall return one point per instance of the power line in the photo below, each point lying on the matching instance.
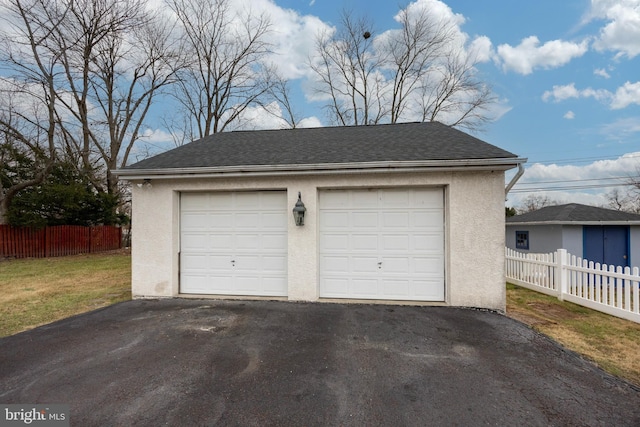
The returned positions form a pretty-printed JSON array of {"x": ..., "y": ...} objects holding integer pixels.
[
  {"x": 584, "y": 159},
  {"x": 563, "y": 188},
  {"x": 576, "y": 180}
]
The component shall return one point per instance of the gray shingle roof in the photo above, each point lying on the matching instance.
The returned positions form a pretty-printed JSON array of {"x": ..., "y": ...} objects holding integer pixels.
[
  {"x": 327, "y": 145},
  {"x": 574, "y": 213}
]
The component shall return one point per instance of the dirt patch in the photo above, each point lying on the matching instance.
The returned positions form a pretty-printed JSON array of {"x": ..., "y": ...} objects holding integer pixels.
[{"x": 535, "y": 313}]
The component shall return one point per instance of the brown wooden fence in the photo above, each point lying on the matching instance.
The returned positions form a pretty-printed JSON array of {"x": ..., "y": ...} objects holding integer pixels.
[{"x": 60, "y": 240}]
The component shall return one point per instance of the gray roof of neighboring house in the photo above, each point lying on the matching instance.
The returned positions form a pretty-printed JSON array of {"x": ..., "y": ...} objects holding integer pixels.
[
  {"x": 575, "y": 213},
  {"x": 400, "y": 143}
]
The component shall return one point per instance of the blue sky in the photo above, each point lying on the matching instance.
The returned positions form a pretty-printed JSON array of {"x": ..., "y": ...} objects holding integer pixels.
[{"x": 567, "y": 75}]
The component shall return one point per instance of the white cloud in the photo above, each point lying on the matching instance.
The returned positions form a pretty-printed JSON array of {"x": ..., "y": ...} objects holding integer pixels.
[
  {"x": 156, "y": 136},
  {"x": 482, "y": 48},
  {"x": 437, "y": 9},
  {"x": 563, "y": 92},
  {"x": 569, "y": 115},
  {"x": 626, "y": 95},
  {"x": 621, "y": 131},
  {"x": 530, "y": 55},
  {"x": 310, "y": 122},
  {"x": 560, "y": 93},
  {"x": 600, "y": 176},
  {"x": 622, "y": 31},
  {"x": 601, "y": 72},
  {"x": 293, "y": 39}
]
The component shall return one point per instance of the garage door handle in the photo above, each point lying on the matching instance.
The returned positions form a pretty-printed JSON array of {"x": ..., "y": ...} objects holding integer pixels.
[
  {"x": 379, "y": 265},
  {"x": 233, "y": 263}
]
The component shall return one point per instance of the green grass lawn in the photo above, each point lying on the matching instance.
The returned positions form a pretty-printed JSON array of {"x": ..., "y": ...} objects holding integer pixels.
[{"x": 39, "y": 291}]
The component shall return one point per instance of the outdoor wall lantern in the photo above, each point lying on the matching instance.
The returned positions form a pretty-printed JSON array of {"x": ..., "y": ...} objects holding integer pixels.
[{"x": 298, "y": 211}]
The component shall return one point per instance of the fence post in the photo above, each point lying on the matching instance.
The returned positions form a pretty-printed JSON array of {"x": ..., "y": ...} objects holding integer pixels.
[{"x": 561, "y": 273}]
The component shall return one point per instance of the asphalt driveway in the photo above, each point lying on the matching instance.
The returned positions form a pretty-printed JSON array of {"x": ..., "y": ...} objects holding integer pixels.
[{"x": 203, "y": 362}]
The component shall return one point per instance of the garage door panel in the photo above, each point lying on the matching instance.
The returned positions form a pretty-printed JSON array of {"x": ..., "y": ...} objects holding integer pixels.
[
  {"x": 402, "y": 229},
  {"x": 395, "y": 265},
  {"x": 364, "y": 288},
  {"x": 248, "y": 242},
  {"x": 218, "y": 201},
  {"x": 271, "y": 286},
  {"x": 428, "y": 290},
  {"x": 219, "y": 242},
  {"x": 428, "y": 242},
  {"x": 199, "y": 282},
  {"x": 195, "y": 202},
  {"x": 332, "y": 264},
  {"x": 428, "y": 266},
  {"x": 273, "y": 221},
  {"x": 394, "y": 198},
  {"x": 364, "y": 264},
  {"x": 274, "y": 242},
  {"x": 273, "y": 263},
  {"x": 364, "y": 242},
  {"x": 195, "y": 242},
  {"x": 219, "y": 263},
  {"x": 426, "y": 219},
  {"x": 394, "y": 289},
  {"x": 363, "y": 199},
  {"x": 195, "y": 262},
  {"x": 247, "y": 285},
  {"x": 247, "y": 221},
  {"x": 335, "y": 220},
  {"x": 234, "y": 243},
  {"x": 333, "y": 242},
  {"x": 269, "y": 200},
  {"x": 336, "y": 287},
  {"x": 395, "y": 242},
  {"x": 359, "y": 220},
  {"x": 430, "y": 198},
  {"x": 218, "y": 221},
  {"x": 396, "y": 220}
]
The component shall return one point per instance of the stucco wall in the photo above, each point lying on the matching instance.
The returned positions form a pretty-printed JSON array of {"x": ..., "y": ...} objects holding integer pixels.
[{"x": 474, "y": 230}]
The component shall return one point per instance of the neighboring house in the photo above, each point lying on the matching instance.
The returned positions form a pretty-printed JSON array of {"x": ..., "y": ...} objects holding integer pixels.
[
  {"x": 596, "y": 234},
  {"x": 399, "y": 212}
]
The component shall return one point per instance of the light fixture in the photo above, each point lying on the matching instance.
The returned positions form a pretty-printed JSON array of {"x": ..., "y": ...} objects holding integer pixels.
[
  {"x": 299, "y": 210},
  {"x": 146, "y": 183}
]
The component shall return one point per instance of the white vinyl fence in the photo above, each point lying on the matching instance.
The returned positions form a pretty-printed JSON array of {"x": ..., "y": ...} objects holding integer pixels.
[{"x": 610, "y": 289}]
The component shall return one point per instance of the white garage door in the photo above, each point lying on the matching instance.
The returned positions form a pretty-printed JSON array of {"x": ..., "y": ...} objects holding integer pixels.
[
  {"x": 234, "y": 243},
  {"x": 382, "y": 244}
]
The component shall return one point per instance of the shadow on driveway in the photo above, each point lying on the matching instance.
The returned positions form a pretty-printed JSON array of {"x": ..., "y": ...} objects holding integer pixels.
[{"x": 206, "y": 362}]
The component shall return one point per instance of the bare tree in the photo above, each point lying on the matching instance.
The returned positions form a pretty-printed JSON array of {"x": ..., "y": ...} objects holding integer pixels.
[
  {"x": 534, "y": 202},
  {"x": 414, "y": 51},
  {"x": 419, "y": 72},
  {"x": 100, "y": 64},
  {"x": 279, "y": 91},
  {"x": 627, "y": 199},
  {"x": 455, "y": 96},
  {"x": 28, "y": 115},
  {"x": 347, "y": 68},
  {"x": 223, "y": 77}
]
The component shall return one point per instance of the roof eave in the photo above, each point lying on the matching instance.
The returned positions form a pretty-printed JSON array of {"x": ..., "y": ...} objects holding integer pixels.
[
  {"x": 627, "y": 222},
  {"x": 363, "y": 167}
]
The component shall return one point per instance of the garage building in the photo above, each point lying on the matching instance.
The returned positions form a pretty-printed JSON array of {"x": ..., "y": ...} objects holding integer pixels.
[{"x": 398, "y": 213}]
